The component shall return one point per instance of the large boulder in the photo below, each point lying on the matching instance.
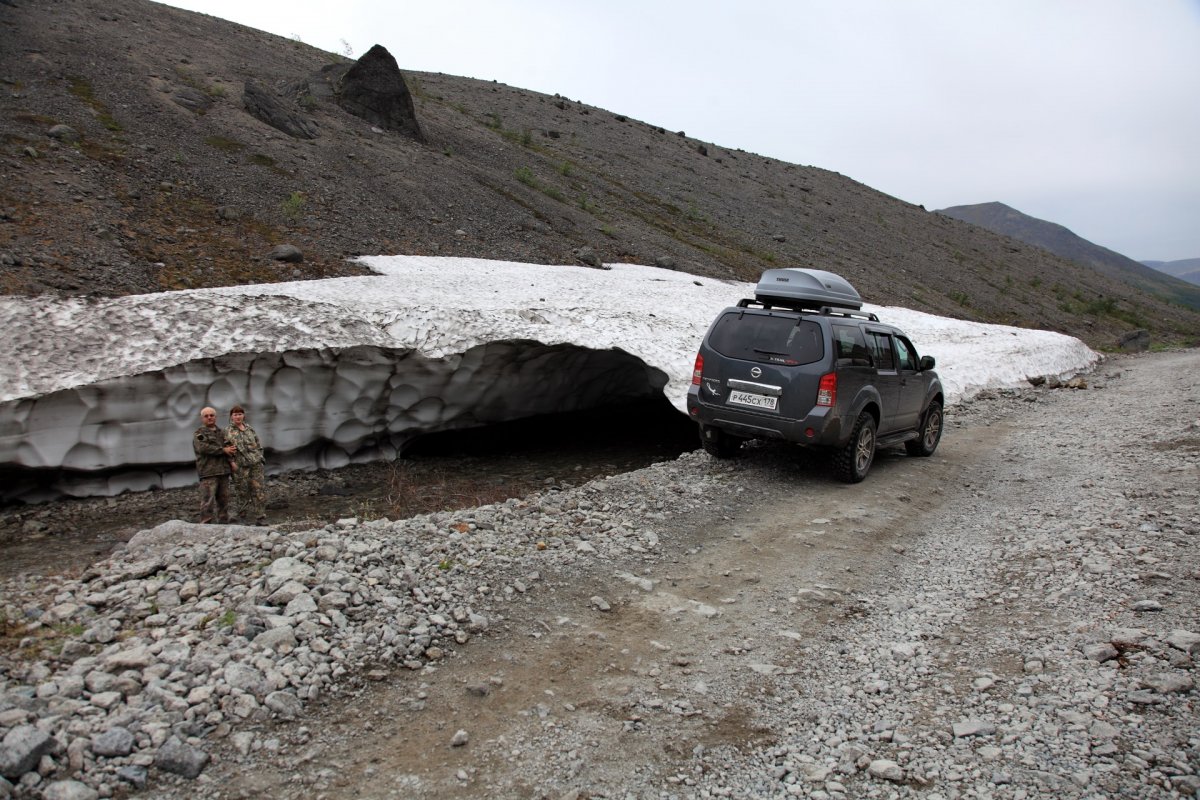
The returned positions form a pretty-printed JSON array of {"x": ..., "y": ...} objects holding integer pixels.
[
  {"x": 265, "y": 107},
  {"x": 374, "y": 90}
]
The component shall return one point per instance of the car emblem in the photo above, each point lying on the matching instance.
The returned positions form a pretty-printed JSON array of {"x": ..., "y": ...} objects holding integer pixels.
[{"x": 755, "y": 372}]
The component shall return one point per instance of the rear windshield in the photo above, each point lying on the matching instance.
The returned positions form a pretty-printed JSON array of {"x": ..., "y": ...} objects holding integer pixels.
[{"x": 770, "y": 338}]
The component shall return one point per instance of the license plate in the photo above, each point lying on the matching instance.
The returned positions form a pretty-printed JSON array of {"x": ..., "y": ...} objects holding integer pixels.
[{"x": 753, "y": 400}]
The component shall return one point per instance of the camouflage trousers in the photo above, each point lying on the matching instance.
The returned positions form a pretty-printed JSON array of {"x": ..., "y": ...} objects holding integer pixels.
[
  {"x": 214, "y": 499},
  {"x": 250, "y": 493}
]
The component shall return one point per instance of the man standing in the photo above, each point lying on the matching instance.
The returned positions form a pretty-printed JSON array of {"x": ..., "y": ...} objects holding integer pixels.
[
  {"x": 248, "y": 477},
  {"x": 214, "y": 455}
]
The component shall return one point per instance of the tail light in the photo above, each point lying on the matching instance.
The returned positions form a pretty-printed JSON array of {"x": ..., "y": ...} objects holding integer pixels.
[
  {"x": 697, "y": 370},
  {"x": 827, "y": 390}
]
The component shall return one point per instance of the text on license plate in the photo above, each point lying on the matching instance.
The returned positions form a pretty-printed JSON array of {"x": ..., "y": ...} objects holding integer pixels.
[{"x": 753, "y": 400}]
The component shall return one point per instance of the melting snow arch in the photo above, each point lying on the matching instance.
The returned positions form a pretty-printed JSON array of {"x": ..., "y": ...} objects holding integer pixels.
[{"x": 313, "y": 408}]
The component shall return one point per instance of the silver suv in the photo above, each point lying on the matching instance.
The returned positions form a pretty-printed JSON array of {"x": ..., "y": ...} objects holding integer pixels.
[{"x": 801, "y": 362}]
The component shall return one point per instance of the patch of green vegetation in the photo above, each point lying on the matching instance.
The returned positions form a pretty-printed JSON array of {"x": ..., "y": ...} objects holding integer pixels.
[
  {"x": 293, "y": 206},
  {"x": 216, "y": 90},
  {"x": 445, "y": 564},
  {"x": 82, "y": 88},
  {"x": 224, "y": 143},
  {"x": 35, "y": 119},
  {"x": 307, "y": 101},
  {"x": 1100, "y": 306},
  {"x": 962, "y": 298},
  {"x": 1035, "y": 282},
  {"x": 492, "y": 120},
  {"x": 227, "y": 619},
  {"x": 565, "y": 169},
  {"x": 525, "y": 176}
]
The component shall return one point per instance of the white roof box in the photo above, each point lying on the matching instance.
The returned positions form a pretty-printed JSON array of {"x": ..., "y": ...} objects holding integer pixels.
[{"x": 806, "y": 288}]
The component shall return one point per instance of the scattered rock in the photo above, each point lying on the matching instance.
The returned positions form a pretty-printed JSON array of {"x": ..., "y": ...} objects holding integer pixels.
[
  {"x": 181, "y": 759},
  {"x": 64, "y": 133},
  {"x": 287, "y": 253}
]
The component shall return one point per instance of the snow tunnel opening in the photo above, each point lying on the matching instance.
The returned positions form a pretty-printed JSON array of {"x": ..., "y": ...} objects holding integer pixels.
[{"x": 605, "y": 439}]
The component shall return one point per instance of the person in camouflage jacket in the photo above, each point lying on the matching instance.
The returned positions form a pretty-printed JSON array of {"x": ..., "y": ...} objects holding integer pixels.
[
  {"x": 249, "y": 479},
  {"x": 214, "y": 454}
]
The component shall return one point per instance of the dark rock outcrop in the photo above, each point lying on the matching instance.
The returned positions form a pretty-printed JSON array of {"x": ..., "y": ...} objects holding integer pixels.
[
  {"x": 266, "y": 108},
  {"x": 374, "y": 90},
  {"x": 1134, "y": 342}
]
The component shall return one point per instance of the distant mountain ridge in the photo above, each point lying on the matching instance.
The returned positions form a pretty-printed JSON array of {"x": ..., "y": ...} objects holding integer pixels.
[
  {"x": 1008, "y": 221},
  {"x": 1187, "y": 269}
]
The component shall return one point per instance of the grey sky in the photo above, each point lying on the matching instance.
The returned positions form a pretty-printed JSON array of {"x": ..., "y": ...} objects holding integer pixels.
[{"x": 1081, "y": 112}]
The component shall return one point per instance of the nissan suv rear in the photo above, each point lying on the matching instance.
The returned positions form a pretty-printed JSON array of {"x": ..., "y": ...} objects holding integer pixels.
[{"x": 801, "y": 362}]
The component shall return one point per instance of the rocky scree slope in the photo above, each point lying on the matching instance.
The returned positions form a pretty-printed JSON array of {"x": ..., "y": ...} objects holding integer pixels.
[{"x": 164, "y": 180}]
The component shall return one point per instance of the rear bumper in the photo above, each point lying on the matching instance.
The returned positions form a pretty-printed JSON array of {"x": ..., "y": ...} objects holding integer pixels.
[{"x": 821, "y": 428}]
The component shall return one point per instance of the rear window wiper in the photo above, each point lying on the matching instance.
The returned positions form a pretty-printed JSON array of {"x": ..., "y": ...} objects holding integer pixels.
[{"x": 770, "y": 352}]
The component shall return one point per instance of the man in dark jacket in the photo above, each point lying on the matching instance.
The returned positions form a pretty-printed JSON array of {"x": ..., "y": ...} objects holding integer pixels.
[{"x": 214, "y": 454}]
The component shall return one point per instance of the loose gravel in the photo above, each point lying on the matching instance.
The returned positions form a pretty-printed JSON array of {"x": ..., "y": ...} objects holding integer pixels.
[{"x": 1037, "y": 634}]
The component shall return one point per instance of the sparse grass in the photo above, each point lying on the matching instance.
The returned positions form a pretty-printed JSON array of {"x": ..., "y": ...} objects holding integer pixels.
[
  {"x": 224, "y": 143},
  {"x": 525, "y": 175},
  {"x": 293, "y": 206},
  {"x": 82, "y": 88},
  {"x": 416, "y": 490},
  {"x": 35, "y": 119},
  {"x": 1100, "y": 306},
  {"x": 416, "y": 89}
]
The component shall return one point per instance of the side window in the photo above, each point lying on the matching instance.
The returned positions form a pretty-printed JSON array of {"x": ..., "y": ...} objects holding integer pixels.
[
  {"x": 881, "y": 350},
  {"x": 851, "y": 346},
  {"x": 906, "y": 353}
]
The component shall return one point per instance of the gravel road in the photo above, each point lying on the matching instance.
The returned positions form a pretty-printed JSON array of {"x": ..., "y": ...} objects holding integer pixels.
[{"x": 1015, "y": 617}]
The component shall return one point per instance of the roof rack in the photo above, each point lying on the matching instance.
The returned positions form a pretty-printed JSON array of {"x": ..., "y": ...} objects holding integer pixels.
[{"x": 826, "y": 311}]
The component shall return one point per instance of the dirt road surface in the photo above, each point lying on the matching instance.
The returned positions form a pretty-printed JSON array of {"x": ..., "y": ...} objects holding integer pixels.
[{"x": 621, "y": 680}]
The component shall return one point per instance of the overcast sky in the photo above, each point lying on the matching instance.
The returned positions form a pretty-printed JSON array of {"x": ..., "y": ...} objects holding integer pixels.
[{"x": 1080, "y": 112}]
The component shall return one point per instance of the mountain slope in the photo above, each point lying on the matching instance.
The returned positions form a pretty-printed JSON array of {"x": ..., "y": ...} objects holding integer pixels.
[
  {"x": 1057, "y": 239},
  {"x": 173, "y": 184},
  {"x": 1187, "y": 269}
]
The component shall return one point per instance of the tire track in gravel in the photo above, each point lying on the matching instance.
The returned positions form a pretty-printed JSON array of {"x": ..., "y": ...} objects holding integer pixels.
[{"x": 565, "y": 695}]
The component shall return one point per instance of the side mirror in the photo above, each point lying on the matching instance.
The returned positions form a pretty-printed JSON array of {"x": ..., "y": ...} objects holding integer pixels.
[{"x": 927, "y": 362}]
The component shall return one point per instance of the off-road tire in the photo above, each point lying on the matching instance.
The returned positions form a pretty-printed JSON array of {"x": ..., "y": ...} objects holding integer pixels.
[
  {"x": 719, "y": 444},
  {"x": 853, "y": 461},
  {"x": 931, "y": 432}
]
